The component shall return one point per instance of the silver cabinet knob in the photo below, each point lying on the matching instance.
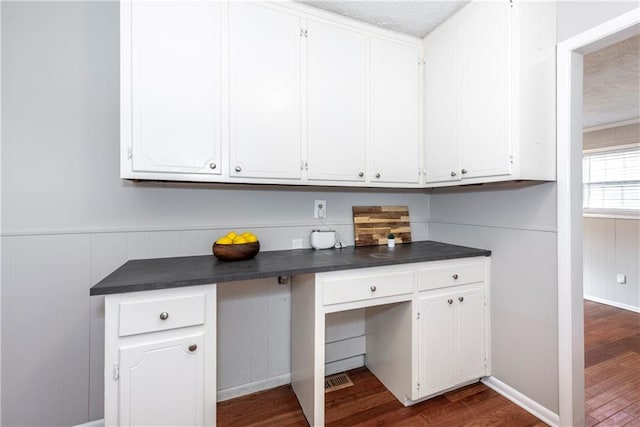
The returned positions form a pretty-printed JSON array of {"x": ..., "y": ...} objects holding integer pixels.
[
  {"x": 164, "y": 315},
  {"x": 460, "y": 299},
  {"x": 238, "y": 168},
  {"x": 378, "y": 175},
  {"x": 361, "y": 174},
  {"x": 193, "y": 347},
  {"x": 373, "y": 288},
  {"x": 212, "y": 166},
  {"x": 450, "y": 301},
  {"x": 453, "y": 173},
  {"x": 455, "y": 277},
  {"x": 464, "y": 171}
]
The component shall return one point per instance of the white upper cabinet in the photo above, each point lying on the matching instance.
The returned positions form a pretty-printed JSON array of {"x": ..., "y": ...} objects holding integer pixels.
[
  {"x": 441, "y": 110},
  {"x": 484, "y": 70},
  {"x": 336, "y": 70},
  {"x": 170, "y": 90},
  {"x": 490, "y": 94},
  {"x": 395, "y": 112},
  {"x": 264, "y": 92}
]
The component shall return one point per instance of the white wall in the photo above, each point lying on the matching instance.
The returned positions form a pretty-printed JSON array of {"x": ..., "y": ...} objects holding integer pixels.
[
  {"x": 518, "y": 225},
  {"x": 68, "y": 220},
  {"x": 575, "y": 17}
]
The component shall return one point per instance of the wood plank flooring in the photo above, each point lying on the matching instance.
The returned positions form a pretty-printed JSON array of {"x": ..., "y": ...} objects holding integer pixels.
[
  {"x": 612, "y": 366},
  {"x": 369, "y": 403},
  {"x": 612, "y": 391}
]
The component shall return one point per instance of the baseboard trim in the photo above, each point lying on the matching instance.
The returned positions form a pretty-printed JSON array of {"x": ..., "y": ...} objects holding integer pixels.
[
  {"x": 613, "y": 303},
  {"x": 244, "y": 389},
  {"x": 522, "y": 401},
  {"x": 94, "y": 423}
]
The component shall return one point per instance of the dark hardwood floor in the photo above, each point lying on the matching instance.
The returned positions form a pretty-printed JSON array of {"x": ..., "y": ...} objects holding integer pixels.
[
  {"x": 612, "y": 391},
  {"x": 612, "y": 366},
  {"x": 369, "y": 403}
]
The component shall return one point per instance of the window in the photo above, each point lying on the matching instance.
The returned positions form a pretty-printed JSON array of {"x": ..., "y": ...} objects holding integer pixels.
[{"x": 611, "y": 181}]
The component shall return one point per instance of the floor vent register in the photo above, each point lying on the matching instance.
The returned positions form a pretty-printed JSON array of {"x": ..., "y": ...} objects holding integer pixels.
[{"x": 336, "y": 382}]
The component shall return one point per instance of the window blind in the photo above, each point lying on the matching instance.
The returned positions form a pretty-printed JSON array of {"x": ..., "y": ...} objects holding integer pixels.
[{"x": 611, "y": 181}]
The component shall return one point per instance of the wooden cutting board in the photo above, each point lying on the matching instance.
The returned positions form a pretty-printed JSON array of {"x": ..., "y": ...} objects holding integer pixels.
[{"x": 372, "y": 224}]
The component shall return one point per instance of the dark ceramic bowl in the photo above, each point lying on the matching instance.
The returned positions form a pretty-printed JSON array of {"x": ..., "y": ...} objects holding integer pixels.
[{"x": 238, "y": 252}]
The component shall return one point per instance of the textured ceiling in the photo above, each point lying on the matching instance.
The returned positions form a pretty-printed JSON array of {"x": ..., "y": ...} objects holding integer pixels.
[
  {"x": 417, "y": 17},
  {"x": 612, "y": 84}
]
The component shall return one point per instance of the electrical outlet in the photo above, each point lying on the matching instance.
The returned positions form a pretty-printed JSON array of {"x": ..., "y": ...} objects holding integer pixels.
[
  {"x": 320, "y": 209},
  {"x": 621, "y": 278}
]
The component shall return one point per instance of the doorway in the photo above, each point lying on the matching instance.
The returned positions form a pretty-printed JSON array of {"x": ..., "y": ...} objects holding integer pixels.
[{"x": 569, "y": 206}]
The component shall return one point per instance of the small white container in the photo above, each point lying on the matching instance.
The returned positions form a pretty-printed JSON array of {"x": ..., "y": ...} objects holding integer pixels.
[
  {"x": 391, "y": 243},
  {"x": 323, "y": 239}
]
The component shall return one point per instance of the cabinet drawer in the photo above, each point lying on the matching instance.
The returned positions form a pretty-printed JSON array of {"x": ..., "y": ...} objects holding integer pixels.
[
  {"x": 366, "y": 287},
  {"x": 451, "y": 275},
  {"x": 138, "y": 317}
]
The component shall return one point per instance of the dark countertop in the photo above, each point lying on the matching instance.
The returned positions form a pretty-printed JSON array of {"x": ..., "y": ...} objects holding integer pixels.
[{"x": 163, "y": 273}]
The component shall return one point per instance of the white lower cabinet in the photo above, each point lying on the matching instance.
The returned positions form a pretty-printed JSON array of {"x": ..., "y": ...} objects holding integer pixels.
[
  {"x": 452, "y": 336},
  {"x": 160, "y": 357},
  {"x": 170, "y": 371}
]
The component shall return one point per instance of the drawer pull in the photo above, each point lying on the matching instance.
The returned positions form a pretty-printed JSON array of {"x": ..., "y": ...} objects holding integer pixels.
[
  {"x": 455, "y": 277},
  {"x": 193, "y": 347},
  {"x": 450, "y": 301},
  {"x": 373, "y": 288},
  {"x": 164, "y": 315},
  {"x": 460, "y": 299}
]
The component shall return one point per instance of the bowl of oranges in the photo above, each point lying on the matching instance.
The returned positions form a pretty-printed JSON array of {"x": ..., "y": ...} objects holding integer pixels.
[{"x": 236, "y": 247}]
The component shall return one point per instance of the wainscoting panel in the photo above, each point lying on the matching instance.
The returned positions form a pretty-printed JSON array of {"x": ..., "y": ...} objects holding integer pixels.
[
  {"x": 612, "y": 247},
  {"x": 53, "y": 331}
]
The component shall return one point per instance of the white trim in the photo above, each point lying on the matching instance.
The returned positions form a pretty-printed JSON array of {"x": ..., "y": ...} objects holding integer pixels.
[
  {"x": 612, "y": 125},
  {"x": 522, "y": 401},
  {"x": 95, "y": 423},
  {"x": 218, "y": 226},
  {"x": 616, "y": 304},
  {"x": 244, "y": 389},
  {"x": 569, "y": 209},
  {"x": 488, "y": 225}
]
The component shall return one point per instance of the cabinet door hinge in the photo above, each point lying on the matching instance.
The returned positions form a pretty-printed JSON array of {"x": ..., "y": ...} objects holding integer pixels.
[
  {"x": 418, "y": 383},
  {"x": 129, "y": 153},
  {"x": 510, "y": 3},
  {"x": 304, "y": 165},
  {"x": 304, "y": 32},
  {"x": 116, "y": 371},
  {"x": 418, "y": 316}
]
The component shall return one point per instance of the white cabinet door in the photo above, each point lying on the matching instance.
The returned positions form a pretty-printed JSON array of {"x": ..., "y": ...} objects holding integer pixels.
[
  {"x": 452, "y": 337},
  {"x": 442, "y": 90},
  {"x": 470, "y": 335},
  {"x": 171, "y": 86},
  {"x": 395, "y": 110},
  {"x": 336, "y": 102},
  {"x": 264, "y": 92},
  {"x": 485, "y": 72},
  {"x": 437, "y": 323},
  {"x": 162, "y": 383}
]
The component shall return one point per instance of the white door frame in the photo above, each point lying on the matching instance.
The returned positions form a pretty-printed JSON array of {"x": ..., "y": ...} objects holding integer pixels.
[{"x": 569, "y": 205}]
